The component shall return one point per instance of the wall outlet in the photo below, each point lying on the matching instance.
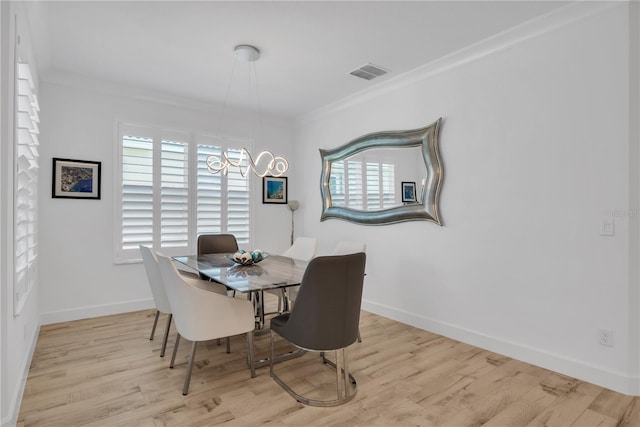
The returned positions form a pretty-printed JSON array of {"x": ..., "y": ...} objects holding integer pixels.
[{"x": 605, "y": 337}]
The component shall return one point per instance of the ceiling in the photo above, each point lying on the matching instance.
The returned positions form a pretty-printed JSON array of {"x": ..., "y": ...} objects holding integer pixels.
[{"x": 185, "y": 48}]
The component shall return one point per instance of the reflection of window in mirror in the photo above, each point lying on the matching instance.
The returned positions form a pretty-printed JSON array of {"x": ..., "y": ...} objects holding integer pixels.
[{"x": 362, "y": 177}]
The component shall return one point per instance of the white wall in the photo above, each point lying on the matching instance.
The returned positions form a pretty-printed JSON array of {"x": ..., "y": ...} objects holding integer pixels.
[
  {"x": 18, "y": 332},
  {"x": 535, "y": 143},
  {"x": 78, "y": 276}
]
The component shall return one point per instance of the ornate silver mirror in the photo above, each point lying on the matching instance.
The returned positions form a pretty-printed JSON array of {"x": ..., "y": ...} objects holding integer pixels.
[{"x": 384, "y": 178}]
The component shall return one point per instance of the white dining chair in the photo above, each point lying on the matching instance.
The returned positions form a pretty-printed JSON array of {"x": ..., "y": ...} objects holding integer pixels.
[
  {"x": 201, "y": 315},
  {"x": 157, "y": 291},
  {"x": 303, "y": 249},
  {"x": 345, "y": 247}
]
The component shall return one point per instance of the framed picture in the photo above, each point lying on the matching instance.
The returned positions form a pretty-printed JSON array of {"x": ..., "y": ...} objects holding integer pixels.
[
  {"x": 76, "y": 179},
  {"x": 274, "y": 190},
  {"x": 409, "y": 191}
]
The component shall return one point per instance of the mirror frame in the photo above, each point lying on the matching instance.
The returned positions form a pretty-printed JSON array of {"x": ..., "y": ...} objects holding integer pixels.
[{"x": 427, "y": 139}]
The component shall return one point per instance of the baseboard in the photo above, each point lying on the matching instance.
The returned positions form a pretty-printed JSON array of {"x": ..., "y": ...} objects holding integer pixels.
[
  {"x": 16, "y": 400},
  {"x": 599, "y": 375},
  {"x": 95, "y": 311}
]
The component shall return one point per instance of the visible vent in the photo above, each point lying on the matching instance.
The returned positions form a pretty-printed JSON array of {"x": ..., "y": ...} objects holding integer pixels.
[{"x": 369, "y": 71}]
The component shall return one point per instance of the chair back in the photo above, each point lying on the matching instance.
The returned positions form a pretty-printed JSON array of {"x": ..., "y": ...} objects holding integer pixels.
[
  {"x": 202, "y": 315},
  {"x": 345, "y": 247},
  {"x": 217, "y": 244},
  {"x": 304, "y": 248},
  {"x": 155, "y": 280},
  {"x": 326, "y": 314}
]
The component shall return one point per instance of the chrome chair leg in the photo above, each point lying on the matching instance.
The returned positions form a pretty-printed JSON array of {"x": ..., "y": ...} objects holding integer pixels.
[
  {"x": 155, "y": 322},
  {"x": 346, "y": 385},
  {"x": 175, "y": 350},
  {"x": 166, "y": 335},
  {"x": 187, "y": 378},
  {"x": 252, "y": 366}
]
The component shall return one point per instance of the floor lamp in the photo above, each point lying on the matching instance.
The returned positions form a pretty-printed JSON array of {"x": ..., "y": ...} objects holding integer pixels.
[{"x": 293, "y": 205}]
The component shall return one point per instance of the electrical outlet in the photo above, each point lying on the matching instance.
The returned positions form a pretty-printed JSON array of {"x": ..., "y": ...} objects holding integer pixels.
[{"x": 605, "y": 337}]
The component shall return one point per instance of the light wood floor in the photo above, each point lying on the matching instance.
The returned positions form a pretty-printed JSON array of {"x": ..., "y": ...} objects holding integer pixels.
[{"x": 106, "y": 372}]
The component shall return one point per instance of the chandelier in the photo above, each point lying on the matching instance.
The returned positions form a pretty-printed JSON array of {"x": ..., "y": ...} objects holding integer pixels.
[{"x": 265, "y": 163}]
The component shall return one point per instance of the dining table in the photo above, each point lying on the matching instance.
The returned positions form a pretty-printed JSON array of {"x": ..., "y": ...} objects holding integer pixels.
[{"x": 272, "y": 272}]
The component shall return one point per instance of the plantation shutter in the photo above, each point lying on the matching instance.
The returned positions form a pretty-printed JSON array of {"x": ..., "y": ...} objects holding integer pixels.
[
  {"x": 168, "y": 197},
  {"x": 137, "y": 192},
  {"x": 388, "y": 185},
  {"x": 174, "y": 195},
  {"x": 373, "y": 186},
  {"x": 26, "y": 185},
  {"x": 354, "y": 182},
  {"x": 209, "y": 193},
  {"x": 337, "y": 184},
  {"x": 238, "y": 199}
]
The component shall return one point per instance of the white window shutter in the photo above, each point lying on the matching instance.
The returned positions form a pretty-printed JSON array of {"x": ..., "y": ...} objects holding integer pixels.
[
  {"x": 168, "y": 196},
  {"x": 373, "y": 186},
  {"x": 209, "y": 194},
  {"x": 238, "y": 199},
  {"x": 174, "y": 195},
  {"x": 337, "y": 186},
  {"x": 26, "y": 171},
  {"x": 137, "y": 192},
  {"x": 354, "y": 178}
]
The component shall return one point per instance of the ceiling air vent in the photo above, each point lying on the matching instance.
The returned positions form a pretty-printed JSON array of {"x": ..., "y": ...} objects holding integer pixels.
[{"x": 369, "y": 71}]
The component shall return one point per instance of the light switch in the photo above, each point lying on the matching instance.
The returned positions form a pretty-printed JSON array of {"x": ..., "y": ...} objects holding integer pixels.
[{"x": 607, "y": 228}]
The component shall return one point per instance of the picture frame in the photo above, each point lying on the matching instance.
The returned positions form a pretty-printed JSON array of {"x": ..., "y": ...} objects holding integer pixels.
[
  {"x": 275, "y": 190},
  {"x": 76, "y": 179},
  {"x": 409, "y": 192}
]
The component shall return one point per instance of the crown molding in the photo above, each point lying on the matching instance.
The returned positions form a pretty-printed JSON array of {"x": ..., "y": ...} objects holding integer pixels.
[
  {"x": 549, "y": 22},
  {"x": 82, "y": 82}
]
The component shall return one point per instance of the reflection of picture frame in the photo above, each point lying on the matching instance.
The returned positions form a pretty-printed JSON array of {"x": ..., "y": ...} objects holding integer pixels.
[
  {"x": 409, "y": 191},
  {"x": 274, "y": 189},
  {"x": 76, "y": 179}
]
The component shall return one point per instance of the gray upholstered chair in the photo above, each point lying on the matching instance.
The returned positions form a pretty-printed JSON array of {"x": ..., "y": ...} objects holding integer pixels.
[
  {"x": 349, "y": 247},
  {"x": 325, "y": 318},
  {"x": 202, "y": 315},
  {"x": 217, "y": 244}
]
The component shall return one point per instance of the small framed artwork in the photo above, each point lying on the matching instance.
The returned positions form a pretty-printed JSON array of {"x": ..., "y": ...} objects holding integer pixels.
[
  {"x": 76, "y": 179},
  {"x": 409, "y": 192},
  {"x": 274, "y": 190}
]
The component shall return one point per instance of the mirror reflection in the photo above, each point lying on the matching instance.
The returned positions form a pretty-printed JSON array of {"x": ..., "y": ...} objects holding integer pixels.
[
  {"x": 383, "y": 178},
  {"x": 372, "y": 180}
]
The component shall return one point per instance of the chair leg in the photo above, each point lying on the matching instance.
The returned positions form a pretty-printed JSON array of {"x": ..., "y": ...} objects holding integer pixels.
[
  {"x": 166, "y": 335},
  {"x": 228, "y": 345},
  {"x": 359, "y": 337},
  {"x": 270, "y": 353},
  {"x": 340, "y": 386},
  {"x": 155, "y": 322},
  {"x": 175, "y": 350},
  {"x": 252, "y": 367},
  {"x": 187, "y": 378},
  {"x": 346, "y": 385}
]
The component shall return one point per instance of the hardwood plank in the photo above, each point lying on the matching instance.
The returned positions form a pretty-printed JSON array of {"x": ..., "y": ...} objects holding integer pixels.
[{"x": 106, "y": 372}]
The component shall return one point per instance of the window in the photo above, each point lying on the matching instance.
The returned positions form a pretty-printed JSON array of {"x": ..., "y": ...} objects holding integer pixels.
[
  {"x": 26, "y": 185},
  {"x": 167, "y": 197}
]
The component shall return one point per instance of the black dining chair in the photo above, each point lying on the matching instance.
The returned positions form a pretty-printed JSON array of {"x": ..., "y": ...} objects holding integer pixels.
[{"x": 325, "y": 318}]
